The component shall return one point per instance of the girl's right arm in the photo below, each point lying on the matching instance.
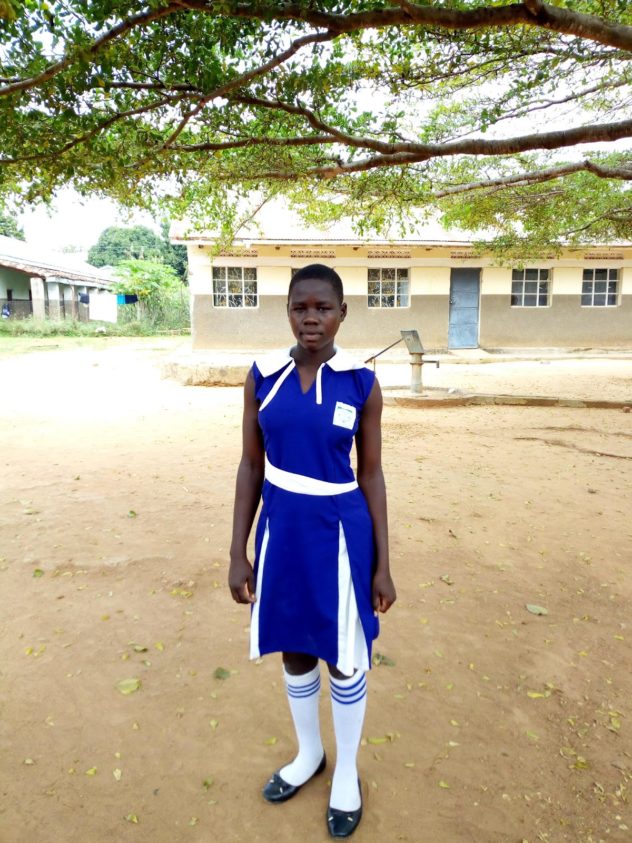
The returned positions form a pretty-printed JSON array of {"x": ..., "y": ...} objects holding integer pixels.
[{"x": 247, "y": 494}]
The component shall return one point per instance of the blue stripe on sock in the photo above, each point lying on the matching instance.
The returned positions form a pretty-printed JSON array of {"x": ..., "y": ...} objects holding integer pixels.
[
  {"x": 349, "y": 700},
  {"x": 347, "y": 689},
  {"x": 346, "y": 695},
  {"x": 304, "y": 690}
]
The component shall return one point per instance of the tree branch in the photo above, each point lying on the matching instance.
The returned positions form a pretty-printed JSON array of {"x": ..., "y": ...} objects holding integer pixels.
[
  {"x": 397, "y": 154},
  {"x": 141, "y": 19},
  {"x": 120, "y": 115},
  {"x": 531, "y": 13},
  {"x": 311, "y": 140},
  {"x": 613, "y": 214},
  {"x": 244, "y": 79},
  {"x": 537, "y": 177}
]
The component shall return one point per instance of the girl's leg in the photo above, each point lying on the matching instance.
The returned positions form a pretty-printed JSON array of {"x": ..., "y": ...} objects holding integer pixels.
[
  {"x": 348, "y": 703},
  {"x": 302, "y": 680}
]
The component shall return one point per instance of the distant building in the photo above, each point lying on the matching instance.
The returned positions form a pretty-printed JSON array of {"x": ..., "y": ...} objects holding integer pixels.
[
  {"x": 433, "y": 282},
  {"x": 46, "y": 286}
]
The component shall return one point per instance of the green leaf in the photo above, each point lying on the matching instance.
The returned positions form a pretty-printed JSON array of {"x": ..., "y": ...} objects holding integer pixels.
[
  {"x": 221, "y": 673},
  {"x": 380, "y": 659},
  {"x": 128, "y": 686},
  {"x": 38, "y": 572}
]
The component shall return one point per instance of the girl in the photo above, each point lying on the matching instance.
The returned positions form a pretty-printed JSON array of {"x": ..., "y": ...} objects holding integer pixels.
[{"x": 321, "y": 546}]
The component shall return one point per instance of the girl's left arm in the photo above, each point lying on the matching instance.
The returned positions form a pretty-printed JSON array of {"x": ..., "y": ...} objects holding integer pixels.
[{"x": 371, "y": 481}]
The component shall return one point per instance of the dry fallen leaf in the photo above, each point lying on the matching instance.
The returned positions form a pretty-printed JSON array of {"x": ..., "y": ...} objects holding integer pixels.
[{"x": 181, "y": 592}]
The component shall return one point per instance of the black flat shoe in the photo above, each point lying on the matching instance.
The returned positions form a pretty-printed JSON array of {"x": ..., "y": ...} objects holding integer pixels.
[
  {"x": 343, "y": 823},
  {"x": 278, "y": 790}
]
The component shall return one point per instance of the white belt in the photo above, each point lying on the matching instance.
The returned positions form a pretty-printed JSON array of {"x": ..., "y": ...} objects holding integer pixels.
[{"x": 303, "y": 485}]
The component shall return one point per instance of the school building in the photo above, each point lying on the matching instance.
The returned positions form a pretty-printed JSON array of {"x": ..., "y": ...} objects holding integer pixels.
[
  {"x": 434, "y": 282},
  {"x": 34, "y": 283}
]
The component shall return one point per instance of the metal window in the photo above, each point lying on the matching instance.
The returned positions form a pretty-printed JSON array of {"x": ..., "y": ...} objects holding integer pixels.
[
  {"x": 235, "y": 286},
  {"x": 600, "y": 288},
  {"x": 530, "y": 288},
  {"x": 388, "y": 288}
]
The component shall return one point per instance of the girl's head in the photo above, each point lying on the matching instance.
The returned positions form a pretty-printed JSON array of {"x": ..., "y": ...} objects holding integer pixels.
[
  {"x": 315, "y": 307},
  {"x": 318, "y": 272}
]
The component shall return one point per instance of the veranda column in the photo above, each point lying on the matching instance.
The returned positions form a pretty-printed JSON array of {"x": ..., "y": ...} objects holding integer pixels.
[
  {"x": 39, "y": 297},
  {"x": 74, "y": 304},
  {"x": 54, "y": 308}
]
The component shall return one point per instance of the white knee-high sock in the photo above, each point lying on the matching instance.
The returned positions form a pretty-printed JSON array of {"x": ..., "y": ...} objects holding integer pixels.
[
  {"x": 348, "y": 704},
  {"x": 303, "y": 693}
]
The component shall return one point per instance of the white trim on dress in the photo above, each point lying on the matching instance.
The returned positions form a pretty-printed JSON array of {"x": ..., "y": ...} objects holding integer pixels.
[
  {"x": 254, "y": 621},
  {"x": 301, "y": 484},
  {"x": 277, "y": 386},
  {"x": 352, "y": 650}
]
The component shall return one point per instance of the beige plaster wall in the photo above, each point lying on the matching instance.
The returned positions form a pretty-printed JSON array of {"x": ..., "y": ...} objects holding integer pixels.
[
  {"x": 565, "y": 324},
  {"x": 364, "y": 327},
  {"x": 565, "y": 279}
]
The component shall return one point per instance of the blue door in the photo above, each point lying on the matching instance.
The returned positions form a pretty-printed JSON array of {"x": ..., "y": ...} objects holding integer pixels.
[{"x": 464, "y": 292}]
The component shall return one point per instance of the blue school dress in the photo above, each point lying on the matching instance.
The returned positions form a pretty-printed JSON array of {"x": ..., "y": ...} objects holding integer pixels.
[{"x": 314, "y": 547}]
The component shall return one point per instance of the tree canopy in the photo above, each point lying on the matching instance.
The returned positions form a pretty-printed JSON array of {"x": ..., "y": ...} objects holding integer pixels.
[
  {"x": 10, "y": 228},
  {"x": 511, "y": 117},
  {"x": 117, "y": 244}
]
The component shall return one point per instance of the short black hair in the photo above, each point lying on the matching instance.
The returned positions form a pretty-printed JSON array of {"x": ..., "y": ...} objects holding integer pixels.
[{"x": 318, "y": 272}]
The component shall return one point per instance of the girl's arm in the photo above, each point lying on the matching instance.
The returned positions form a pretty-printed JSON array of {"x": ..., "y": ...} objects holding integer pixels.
[
  {"x": 247, "y": 494},
  {"x": 371, "y": 481}
]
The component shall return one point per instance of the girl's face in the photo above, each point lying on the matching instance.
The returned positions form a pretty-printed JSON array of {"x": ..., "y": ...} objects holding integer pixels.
[{"x": 315, "y": 313}]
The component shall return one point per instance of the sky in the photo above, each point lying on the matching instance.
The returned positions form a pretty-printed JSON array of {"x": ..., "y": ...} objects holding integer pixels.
[{"x": 75, "y": 222}]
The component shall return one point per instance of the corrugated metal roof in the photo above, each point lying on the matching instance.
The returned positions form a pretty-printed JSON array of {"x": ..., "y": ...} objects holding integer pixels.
[{"x": 26, "y": 257}]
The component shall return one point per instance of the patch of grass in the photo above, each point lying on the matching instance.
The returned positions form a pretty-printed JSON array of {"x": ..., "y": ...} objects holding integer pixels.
[{"x": 71, "y": 328}]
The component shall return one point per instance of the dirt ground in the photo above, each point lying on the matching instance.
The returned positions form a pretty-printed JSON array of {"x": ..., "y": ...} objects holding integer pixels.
[{"x": 488, "y": 724}]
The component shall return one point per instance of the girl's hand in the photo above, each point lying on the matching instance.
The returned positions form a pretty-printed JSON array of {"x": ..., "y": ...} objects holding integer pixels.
[
  {"x": 241, "y": 581},
  {"x": 384, "y": 594}
]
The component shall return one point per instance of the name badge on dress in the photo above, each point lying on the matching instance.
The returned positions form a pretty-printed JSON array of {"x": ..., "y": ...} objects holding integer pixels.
[{"x": 344, "y": 415}]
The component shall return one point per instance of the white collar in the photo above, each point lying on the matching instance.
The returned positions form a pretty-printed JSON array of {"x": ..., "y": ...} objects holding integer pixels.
[{"x": 272, "y": 362}]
